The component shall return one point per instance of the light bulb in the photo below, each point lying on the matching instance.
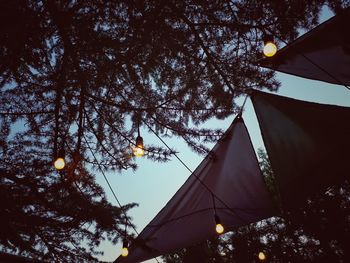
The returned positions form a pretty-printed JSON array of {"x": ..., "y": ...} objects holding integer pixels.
[
  {"x": 219, "y": 228},
  {"x": 59, "y": 163},
  {"x": 261, "y": 256},
  {"x": 139, "y": 150},
  {"x": 125, "y": 252},
  {"x": 270, "y": 49}
]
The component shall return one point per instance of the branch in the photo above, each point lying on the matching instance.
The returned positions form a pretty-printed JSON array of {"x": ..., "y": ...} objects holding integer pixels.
[
  {"x": 205, "y": 49},
  {"x": 160, "y": 106},
  {"x": 81, "y": 116},
  {"x": 102, "y": 145},
  {"x": 111, "y": 126}
]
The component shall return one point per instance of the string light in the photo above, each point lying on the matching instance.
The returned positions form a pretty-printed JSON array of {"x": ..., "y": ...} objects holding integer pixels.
[
  {"x": 125, "y": 249},
  {"x": 270, "y": 48},
  {"x": 115, "y": 197},
  {"x": 219, "y": 228},
  {"x": 139, "y": 149},
  {"x": 60, "y": 163},
  {"x": 261, "y": 256}
]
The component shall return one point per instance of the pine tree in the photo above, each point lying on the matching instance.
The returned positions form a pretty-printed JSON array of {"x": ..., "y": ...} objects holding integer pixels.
[{"x": 84, "y": 76}]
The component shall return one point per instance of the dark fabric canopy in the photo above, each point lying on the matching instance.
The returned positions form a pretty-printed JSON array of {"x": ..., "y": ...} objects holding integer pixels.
[
  {"x": 308, "y": 144},
  {"x": 321, "y": 54},
  {"x": 229, "y": 177}
]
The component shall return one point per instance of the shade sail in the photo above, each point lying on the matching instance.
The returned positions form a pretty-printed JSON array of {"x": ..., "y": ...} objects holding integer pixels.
[
  {"x": 321, "y": 54},
  {"x": 229, "y": 177},
  {"x": 308, "y": 144}
]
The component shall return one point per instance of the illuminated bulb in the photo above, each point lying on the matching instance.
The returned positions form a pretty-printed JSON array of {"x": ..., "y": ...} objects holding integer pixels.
[
  {"x": 261, "y": 256},
  {"x": 270, "y": 49},
  {"x": 219, "y": 228},
  {"x": 59, "y": 163},
  {"x": 125, "y": 250},
  {"x": 139, "y": 150}
]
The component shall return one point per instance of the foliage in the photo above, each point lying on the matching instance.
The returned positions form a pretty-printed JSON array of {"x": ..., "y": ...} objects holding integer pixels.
[
  {"x": 50, "y": 216},
  {"x": 317, "y": 232},
  {"x": 100, "y": 69},
  {"x": 84, "y": 76}
]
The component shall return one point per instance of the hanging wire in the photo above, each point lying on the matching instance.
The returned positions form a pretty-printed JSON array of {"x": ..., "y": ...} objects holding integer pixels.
[
  {"x": 160, "y": 107},
  {"x": 194, "y": 174},
  {"x": 111, "y": 189},
  {"x": 214, "y": 205},
  {"x": 325, "y": 71},
  {"x": 26, "y": 113},
  {"x": 108, "y": 183},
  {"x": 78, "y": 187},
  {"x": 242, "y": 107},
  {"x": 184, "y": 164},
  {"x": 126, "y": 227}
]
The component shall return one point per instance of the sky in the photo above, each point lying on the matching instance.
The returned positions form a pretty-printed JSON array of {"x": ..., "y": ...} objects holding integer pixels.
[{"x": 153, "y": 184}]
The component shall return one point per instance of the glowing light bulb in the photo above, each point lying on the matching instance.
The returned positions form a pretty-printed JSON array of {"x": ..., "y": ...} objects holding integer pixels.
[
  {"x": 219, "y": 228},
  {"x": 125, "y": 252},
  {"x": 270, "y": 49},
  {"x": 139, "y": 149},
  {"x": 59, "y": 163},
  {"x": 261, "y": 256}
]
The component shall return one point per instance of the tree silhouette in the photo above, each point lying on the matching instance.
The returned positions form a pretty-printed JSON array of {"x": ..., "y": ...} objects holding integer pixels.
[
  {"x": 52, "y": 217},
  {"x": 84, "y": 77}
]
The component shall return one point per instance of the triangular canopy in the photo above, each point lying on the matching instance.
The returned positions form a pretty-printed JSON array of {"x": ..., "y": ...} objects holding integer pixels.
[
  {"x": 321, "y": 54},
  {"x": 308, "y": 144},
  {"x": 230, "y": 177}
]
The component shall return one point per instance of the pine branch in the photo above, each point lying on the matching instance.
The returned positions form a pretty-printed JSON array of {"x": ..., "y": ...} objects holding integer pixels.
[
  {"x": 206, "y": 50},
  {"x": 102, "y": 145}
]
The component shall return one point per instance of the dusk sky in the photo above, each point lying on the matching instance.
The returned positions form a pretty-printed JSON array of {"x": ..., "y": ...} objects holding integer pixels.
[{"x": 87, "y": 85}]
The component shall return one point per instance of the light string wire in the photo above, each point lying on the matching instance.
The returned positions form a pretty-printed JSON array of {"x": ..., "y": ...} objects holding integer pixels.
[
  {"x": 186, "y": 166},
  {"x": 109, "y": 185},
  {"x": 178, "y": 158},
  {"x": 80, "y": 190},
  {"x": 111, "y": 189}
]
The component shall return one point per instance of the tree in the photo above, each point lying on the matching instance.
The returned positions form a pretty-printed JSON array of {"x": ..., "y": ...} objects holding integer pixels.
[
  {"x": 86, "y": 76},
  {"x": 49, "y": 217}
]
